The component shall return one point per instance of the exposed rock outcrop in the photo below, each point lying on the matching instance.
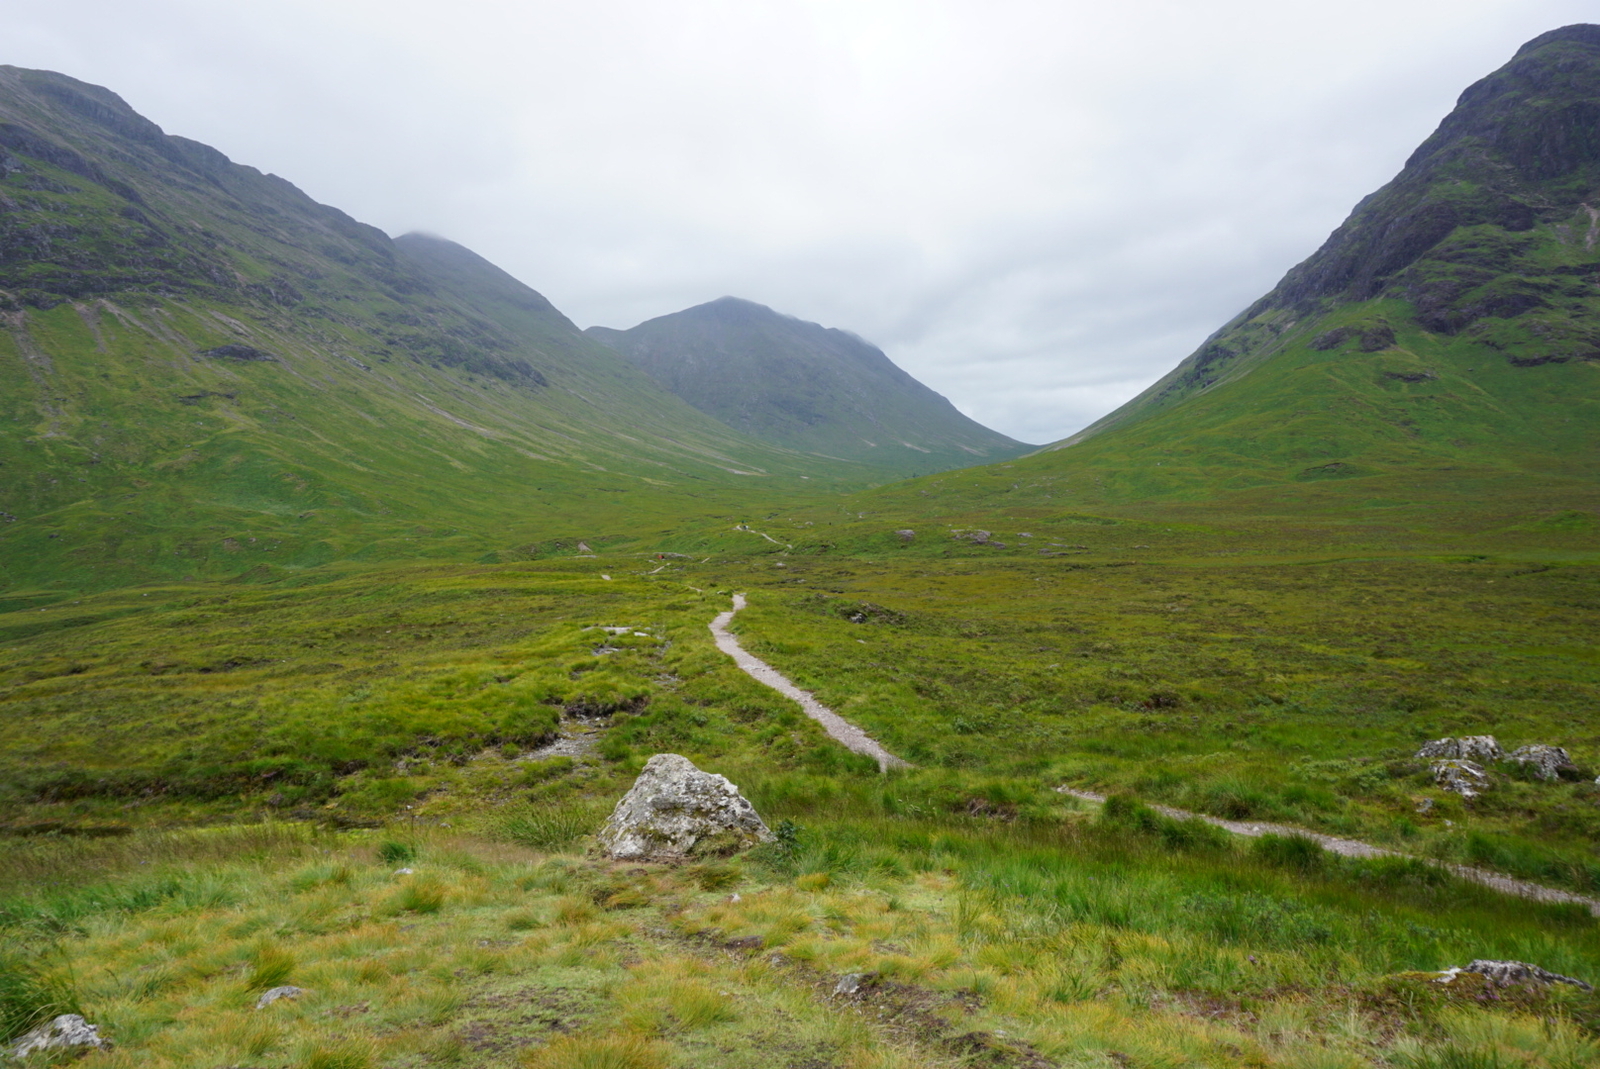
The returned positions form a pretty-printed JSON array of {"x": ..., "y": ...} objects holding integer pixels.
[
  {"x": 66, "y": 1032},
  {"x": 1506, "y": 973},
  {"x": 1548, "y": 761},
  {"x": 1465, "y": 778},
  {"x": 675, "y": 810},
  {"x": 1470, "y": 748}
]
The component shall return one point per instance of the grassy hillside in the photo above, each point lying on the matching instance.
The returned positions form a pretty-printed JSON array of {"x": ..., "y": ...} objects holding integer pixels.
[
  {"x": 1446, "y": 338},
  {"x": 210, "y": 374},
  {"x": 805, "y": 387}
]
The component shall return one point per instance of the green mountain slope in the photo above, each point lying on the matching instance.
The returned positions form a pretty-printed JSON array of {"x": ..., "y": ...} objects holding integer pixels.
[
  {"x": 1447, "y": 335},
  {"x": 207, "y": 373},
  {"x": 805, "y": 386}
]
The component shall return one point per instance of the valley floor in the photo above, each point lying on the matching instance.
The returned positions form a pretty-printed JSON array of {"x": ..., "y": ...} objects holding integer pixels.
[{"x": 211, "y": 790}]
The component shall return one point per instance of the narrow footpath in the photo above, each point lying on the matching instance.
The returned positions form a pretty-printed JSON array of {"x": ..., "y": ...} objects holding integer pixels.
[
  {"x": 853, "y": 738},
  {"x": 1356, "y": 848},
  {"x": 837, "y": 727}
]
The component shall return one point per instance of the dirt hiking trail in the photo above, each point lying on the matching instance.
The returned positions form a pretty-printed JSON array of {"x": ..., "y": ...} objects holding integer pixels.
[
  {"x": 1356, "y": 848},
  {"x": 837, "y": 727},
  {"x": 853, "y": 738}
]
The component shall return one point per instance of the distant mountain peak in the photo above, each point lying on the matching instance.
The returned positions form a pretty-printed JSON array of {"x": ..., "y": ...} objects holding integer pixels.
[{"x": 805, "y": 386}]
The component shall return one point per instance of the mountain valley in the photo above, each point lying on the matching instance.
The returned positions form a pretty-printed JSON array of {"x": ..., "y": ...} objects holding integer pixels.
[{"x": 346, "y": 585}]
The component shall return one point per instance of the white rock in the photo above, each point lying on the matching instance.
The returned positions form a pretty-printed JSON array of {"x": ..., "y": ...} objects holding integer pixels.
[
  {"x": 1548, "y": 761},
  {"x": 1469, "y": 748},
  {"x": 64, "y": 1033},
  {"x": 1463, "y": 777},
  {"x": 674, "y": 808}
]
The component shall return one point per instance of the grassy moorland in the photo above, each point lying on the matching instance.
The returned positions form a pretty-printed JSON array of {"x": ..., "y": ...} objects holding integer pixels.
[
  {"x": 233, "y": 758},
  {"x": 1284, "y": 690}
]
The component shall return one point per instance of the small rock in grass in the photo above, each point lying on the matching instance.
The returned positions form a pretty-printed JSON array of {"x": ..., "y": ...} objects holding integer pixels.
[
  {"x": 906, "y": 535},
  {"x": 286, "y": 991},
  {"x": 1506, "y": 973},
  {"x": 675, "y": 810},
  {"x": 852, "y": 983},
  {"x": 404, "y": 872},
  {"x": 1548, "y": 761},
  {"x": 1425, "y": 805},
  {"x": 66, "y": 1032},
  {"x": 1462, "y": 777}
]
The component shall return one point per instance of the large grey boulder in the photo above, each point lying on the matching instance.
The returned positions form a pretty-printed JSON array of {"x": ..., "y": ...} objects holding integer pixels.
[
  {"x": 1548, "y": 761},
  {"x": 1480, "y": 748},
  {"x": 67, "y": 1032},
  {"x": 675, "y": 810},
  {"x": 1462, "y": 777}
]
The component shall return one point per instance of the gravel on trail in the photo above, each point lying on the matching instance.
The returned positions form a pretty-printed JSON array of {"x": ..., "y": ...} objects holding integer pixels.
[
  {"x": 1356, "y": 848},
  {"x": 837, "y": 727}
]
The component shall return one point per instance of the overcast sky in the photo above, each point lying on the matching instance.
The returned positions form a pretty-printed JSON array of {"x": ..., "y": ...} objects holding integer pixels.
[{"x": 1037, "y": 208}]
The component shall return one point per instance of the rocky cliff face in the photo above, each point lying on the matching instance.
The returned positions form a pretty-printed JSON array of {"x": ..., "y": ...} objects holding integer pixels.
[
  {"x": 1488, "y": 234},
  {"x": 805, "y": 386}
]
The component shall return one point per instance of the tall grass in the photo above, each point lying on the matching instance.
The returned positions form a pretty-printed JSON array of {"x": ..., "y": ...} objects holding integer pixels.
[
  {"x": 50, "y": 862},
  {"x": 626, "y": 1051},
  {"x": 554, "y": 826},
  {"x": 31, "y": 994}
]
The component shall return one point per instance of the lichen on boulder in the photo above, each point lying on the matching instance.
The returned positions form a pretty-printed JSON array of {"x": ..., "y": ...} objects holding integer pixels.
[
  {"x": 675, "y": 810},
  {"x": 1462, "y": 777}
]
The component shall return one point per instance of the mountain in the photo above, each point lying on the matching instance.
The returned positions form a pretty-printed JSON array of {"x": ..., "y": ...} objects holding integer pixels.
[
  {"x": 805, "y": 387},
  {"x": 209, "y": 373},
  {"x": 1449, "y": 329}
]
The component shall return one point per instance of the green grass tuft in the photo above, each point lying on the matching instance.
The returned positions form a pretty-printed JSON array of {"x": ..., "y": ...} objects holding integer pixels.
[{"x": 31, "y": 995}]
